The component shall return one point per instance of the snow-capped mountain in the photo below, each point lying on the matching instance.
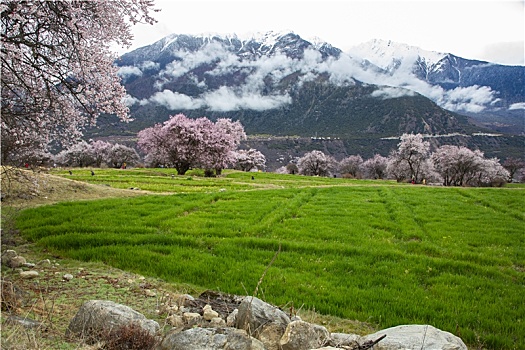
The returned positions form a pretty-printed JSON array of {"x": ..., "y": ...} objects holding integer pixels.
[
  {"x": 391, "y": 56},
  {"x": 505, "y": 83},
  {"x": 280, "y": 83}
]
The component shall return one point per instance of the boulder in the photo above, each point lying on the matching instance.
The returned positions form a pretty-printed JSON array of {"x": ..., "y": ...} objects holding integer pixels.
[
  {"x": 96, "y": 316},
  {"x": 416, "y": 337},
  {"x": 210, "y": 339},
  {"x": 300, "y": 335},
  {"x": 253, "y": 314},
  {"x": 262, "y": 320},
  {"x": 343, "y": 339}
]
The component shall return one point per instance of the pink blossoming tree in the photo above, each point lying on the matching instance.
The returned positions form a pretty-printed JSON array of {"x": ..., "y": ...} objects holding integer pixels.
[
  {"x": 183, "y": 143},
  {"x": 57, "y": 72}
]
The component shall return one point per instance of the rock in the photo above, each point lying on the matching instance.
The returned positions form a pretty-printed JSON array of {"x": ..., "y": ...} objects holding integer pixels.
[
  {"x": 16, "y": 261},
  {"x": 254, "y": 313},
  {"x": 29, "y": 274},
  {"x": 184, "y": 299},
  {"x": 7, "y": 256},
  {"x": 217, "y": 322},
  {"x": 230, "y": 320},
  {"x": 28, "y": 265},
  {"x": 175, "y": 320},
  {"x": 343, "y": 339},
  {"x": 208, "y": 313},
  {"x": 416, "y": 337},
  {"x": 270, "y": 335},
  {"x": 67, "y": 277},
  {"x": 172, "y": 309},
  {"x": 95, "y": 316},
  {"x": 300, "y": 335},
  {"x": 192, "y": 318},
  {"x": 210, "y": 339}
]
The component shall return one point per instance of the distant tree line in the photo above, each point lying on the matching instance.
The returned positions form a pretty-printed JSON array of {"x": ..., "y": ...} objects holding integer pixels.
[
  {"x": 184, "y": 143},
  {"x": 414, "y": 162}
]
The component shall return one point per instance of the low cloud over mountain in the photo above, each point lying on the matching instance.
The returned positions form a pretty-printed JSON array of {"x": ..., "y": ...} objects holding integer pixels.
[{"x": 265, "y": 73}]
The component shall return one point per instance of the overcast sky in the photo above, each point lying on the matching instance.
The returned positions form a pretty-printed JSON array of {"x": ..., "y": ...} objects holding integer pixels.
[{"x": 491, "y": 30}]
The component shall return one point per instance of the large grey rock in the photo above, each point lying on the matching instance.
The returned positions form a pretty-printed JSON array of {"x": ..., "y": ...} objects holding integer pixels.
[
  {"x": 416, "y": 337},
  {"x": 344, "y": 339},
  {"x": 95, "y": 316},
  {"x": 300, "y": 335},
  {"x": 210, "y": 339},
  {"x": 254, "y": 314},
  {"x": 262, "y": 321}
]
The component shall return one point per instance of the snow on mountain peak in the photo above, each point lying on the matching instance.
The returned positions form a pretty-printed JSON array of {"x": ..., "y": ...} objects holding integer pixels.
[{"x": 383, "y": 53}]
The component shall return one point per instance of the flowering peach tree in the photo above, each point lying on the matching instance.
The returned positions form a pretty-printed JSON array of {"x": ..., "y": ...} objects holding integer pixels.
[{"x": 57, "y": 71}]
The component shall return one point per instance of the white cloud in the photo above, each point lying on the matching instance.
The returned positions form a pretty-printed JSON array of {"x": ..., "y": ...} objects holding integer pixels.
[
  {"x": 129, "y": 100},
  {"x": 223, "y": 99},
  {"x": 211, "y": 52},
  {"x": 174, "y": 100},
  {"x": 519, "y": 105},
  {"x": 226, "y": 99},
  {"x": 470, "y": 99},
  {"x": 343, "y": 71},
  {"x": 392, "y": 92},
  {"x": 149, "y": 65},
  {"x": 128, "y": 71}
]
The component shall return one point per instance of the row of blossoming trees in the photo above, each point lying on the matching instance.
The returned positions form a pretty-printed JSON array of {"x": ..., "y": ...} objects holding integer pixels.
[
  {"x": 413, "y": 161},
  {"x": 184, "y": 143},
  {"x": 180, "y": 142}
]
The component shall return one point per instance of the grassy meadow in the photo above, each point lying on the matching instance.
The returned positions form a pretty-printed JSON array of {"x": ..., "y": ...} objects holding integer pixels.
[{"x": 374, "y": 251}]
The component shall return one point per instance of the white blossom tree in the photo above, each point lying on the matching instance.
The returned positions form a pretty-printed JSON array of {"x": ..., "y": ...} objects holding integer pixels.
[
  {"x": 351, "y": 165},
  {"x": 410, "y": 157},
  {"x": 120, "y": 155},
  {"x": 460, "y": 166},
  {"x": 375, "y": 167},
  {"x": 513, "y": 166},
  {"x": 100, "y": 151},
  {"x": 316, "y": 163},
  {"x": 247, "y": 160},
  {"x": 57, "y": 71},
  {"x": 78, "y": 155}
]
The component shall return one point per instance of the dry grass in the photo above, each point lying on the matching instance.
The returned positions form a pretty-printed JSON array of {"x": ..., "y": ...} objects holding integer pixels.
[{"x": 23, "y": 188}]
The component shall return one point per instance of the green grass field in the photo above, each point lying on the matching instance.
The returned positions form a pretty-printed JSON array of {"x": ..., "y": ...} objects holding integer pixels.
[{"x": 375, "y": 251}]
